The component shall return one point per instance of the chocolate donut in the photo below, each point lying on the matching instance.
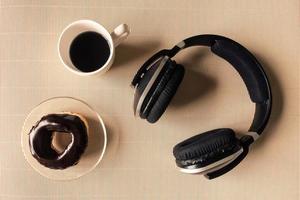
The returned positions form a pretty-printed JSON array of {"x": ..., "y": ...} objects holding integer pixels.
[{"x": 41, "y": 135}]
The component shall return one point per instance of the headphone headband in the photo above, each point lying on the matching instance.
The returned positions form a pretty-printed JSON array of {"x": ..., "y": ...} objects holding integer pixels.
[
  {"x": 198, "y": 40},
  {"x": 242, "y": 60}
]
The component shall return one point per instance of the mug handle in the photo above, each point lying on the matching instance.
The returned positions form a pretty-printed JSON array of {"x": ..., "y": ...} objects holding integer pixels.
[{"x": 120, "y": 33}]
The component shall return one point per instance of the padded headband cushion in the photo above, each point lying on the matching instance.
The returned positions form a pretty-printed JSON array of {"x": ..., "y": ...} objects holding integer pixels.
[
  {"x": 166, "y": 95},
  {"x": 207, "y": 147},
  {"x": 247, "y": 66}
]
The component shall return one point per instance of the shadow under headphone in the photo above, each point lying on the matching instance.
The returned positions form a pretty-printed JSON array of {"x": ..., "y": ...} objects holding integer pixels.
[{"x": 215, "y": 152}]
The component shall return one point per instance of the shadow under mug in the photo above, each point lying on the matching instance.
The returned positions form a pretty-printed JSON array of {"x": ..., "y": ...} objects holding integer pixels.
[{"x": 119, "y": 34}]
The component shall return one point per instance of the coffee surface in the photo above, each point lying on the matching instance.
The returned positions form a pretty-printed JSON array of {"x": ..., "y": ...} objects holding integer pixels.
[{"x": 89, "y": 51}]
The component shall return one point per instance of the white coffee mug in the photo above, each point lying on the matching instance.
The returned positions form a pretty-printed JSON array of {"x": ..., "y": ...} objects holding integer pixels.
[{"x": 119, "y": 34}]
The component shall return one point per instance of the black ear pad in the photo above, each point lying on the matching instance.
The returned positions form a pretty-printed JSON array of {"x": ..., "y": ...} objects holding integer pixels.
[
  {"x": 158, "y": 86},
  {"x": 206, "y": 148},
  {"x": 165, "y": 97}
]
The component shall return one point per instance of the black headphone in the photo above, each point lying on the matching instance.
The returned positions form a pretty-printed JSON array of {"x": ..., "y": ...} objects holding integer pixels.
[{"x": 215, "y": 152}]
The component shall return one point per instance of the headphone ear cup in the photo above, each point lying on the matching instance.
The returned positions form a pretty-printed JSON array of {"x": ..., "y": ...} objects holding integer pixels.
[
  {"x": 206, "y": 148},
  {"x": 142, "y": 85},
  {"x": 157, "y": 88},
  {"x": 166, "y": 95},
  {"x": 146, "y": 78}
]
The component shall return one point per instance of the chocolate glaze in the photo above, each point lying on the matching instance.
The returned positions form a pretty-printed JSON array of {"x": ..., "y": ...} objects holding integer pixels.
[{"x": 40, "y": 140}]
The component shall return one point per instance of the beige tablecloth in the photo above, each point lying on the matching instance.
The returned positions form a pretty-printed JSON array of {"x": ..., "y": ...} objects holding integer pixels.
[{"x": 139, "y": 162}]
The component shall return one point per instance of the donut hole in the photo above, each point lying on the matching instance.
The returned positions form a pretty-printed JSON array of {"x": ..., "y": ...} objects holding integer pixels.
[{"x": 60, "y": 141}]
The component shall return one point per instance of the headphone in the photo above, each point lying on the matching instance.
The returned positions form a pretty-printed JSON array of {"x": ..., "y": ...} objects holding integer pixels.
[{"x": 214, "y": 152}]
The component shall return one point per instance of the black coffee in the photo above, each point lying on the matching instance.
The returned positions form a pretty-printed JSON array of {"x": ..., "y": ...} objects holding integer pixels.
[{"x": 89, "y": 51}]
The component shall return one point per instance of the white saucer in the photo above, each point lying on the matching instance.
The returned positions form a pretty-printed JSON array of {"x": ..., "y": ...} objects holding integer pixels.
[{"x": 97, "y": 138}]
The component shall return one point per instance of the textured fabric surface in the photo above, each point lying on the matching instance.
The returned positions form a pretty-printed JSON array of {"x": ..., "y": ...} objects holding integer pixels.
[{"x": 138, "y": 163}]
